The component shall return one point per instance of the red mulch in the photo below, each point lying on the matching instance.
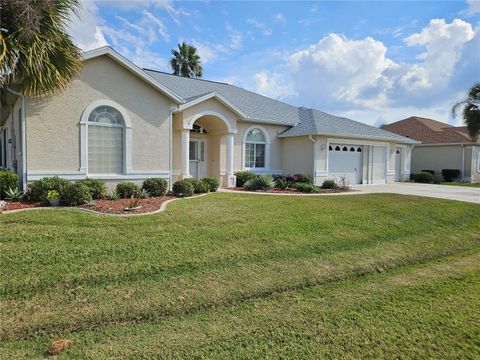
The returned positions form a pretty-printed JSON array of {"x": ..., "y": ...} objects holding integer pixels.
[
  {"x": 22, "y": 204},
  {"x": 291, "y": 191},
  {"x": 118, "y": 206}
]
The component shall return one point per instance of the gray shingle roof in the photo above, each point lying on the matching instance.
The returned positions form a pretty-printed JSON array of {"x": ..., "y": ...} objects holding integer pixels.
[{"x": 262, "y": 109}]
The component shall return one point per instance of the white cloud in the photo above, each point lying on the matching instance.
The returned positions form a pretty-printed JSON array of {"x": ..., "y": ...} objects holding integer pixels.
[
  {"x": 473, "y": 7},
  {"x": 161, "y": 28},
  {"x": 260, "y": 25},
  {"x": 173, "y": 11},
  {"x": 280, "y": 18},
  {"x": 355, "y": 77},
  {"x": 86, "y": 28}
]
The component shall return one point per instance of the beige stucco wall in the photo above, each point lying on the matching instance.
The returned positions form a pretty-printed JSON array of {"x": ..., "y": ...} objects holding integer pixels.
[
  {"x": 436, "y": 158},
  {"x": 53, "y": 133},
  {"x": 298, "y": 155}
]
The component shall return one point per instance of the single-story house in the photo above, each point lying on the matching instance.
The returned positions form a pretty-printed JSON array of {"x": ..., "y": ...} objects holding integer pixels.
[
  {"x": 119, "y": 122},
  {"x": 443, "y": 146}
]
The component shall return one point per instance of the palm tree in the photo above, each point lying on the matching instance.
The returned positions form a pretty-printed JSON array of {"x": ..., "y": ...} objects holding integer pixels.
[
  {"x": 470, "y": 111},
  {"x": 37, "y": 56},
  {"x": 186, "y": 62}
]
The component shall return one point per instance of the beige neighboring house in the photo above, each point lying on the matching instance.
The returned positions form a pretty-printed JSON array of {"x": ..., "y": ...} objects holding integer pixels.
[
  {"x": 120, "y": 122},
  {"x": 443, "y": 146}
]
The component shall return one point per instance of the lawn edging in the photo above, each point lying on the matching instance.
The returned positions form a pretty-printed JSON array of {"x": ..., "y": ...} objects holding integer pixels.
[{"x": 162, "y": 208}]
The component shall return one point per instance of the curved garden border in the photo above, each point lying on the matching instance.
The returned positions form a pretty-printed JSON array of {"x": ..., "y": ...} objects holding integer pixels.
[
  {"x": 162, "y": 208},
  {"x": 230, "y": 191}
]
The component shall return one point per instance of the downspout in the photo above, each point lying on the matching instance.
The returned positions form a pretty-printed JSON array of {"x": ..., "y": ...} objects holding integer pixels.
[
  {"x": 170, "y": 147},
  {"x": 314, "y": 158},
  {"x": 463, "y": 160}
]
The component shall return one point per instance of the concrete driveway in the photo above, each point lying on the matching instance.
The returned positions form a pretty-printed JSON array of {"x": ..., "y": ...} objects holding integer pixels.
[{"x": 460, "y": 193}]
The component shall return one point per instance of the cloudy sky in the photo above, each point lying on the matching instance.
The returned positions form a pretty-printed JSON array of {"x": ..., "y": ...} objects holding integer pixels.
[{"x": 375, "y": 62}]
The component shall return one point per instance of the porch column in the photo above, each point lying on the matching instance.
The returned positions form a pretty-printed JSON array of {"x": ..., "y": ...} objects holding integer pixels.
[
  {"x": 185, "y": 153},
  {"x": 230, "y": 179}
]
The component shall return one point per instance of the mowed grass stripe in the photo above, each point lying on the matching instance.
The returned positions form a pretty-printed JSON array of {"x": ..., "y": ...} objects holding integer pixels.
[{"x": 422, "y": 311}]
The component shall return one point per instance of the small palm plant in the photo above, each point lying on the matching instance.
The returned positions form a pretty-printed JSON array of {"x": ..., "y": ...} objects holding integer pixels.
[
  {"x": 186, "y": 62},
  {"x": 13, "y": 194}
]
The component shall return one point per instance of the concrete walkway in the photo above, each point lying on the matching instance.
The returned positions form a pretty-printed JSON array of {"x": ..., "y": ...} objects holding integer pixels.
[{"x": 460, "y": 193}]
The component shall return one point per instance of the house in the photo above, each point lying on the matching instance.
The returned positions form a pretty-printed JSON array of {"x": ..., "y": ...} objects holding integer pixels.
[
  {"x": 443, "y": 146},
  {"x": 119, "y": 122}
]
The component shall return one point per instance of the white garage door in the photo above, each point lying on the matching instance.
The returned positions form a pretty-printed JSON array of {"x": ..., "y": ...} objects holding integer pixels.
[{"x": 345, "y": 160}]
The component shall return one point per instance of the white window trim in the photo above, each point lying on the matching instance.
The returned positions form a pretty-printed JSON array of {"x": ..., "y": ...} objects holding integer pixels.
[
  {"x": 267, "y": 149},
  {"x": 127, "y": 135}
]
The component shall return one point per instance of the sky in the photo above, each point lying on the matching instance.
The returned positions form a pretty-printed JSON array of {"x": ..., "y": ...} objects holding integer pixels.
[{"x": 372, "y": 61}]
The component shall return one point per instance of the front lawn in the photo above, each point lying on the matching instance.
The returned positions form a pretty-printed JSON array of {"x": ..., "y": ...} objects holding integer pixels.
[
  {"x": 475, "y": 185},
  {"x": 246, "y": 275}
]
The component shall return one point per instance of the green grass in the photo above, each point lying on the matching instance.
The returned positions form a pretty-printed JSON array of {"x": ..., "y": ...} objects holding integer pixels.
[
  {"x": 248, "y": 276},
  {"x": 475, "y": 185}
]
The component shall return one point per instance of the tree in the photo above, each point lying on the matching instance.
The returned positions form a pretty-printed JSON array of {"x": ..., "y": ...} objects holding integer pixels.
[
  {"x": 186, "y": 62},
  {"x": 37, "y": 56},
  {"x": 470, "y": 108}
]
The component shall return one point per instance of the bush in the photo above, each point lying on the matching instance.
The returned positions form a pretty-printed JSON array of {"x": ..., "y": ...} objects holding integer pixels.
[
  {"x": 38, "y": 190},
  {"x": 211, "y": 183},
  {"x": 429, "y": 171},
  {"x": 97, "y": 188},
  {"x": 262, "y": 182},
  {"x": 281, "y": 183},
  {"x": 450, "y": 175},
  {"x": 423, "y": 177},
  {"x": 243, "y": 177},
  {"x": 329, "y": 184},
  {"x": 305, "y": 187},
  {"x": 127, "y": 189},
  {"x": 183, "y": 188},
  {"x": 198, "y": 186},
  {"x": 8, "y": 180},
  {"x": 302, "y": 178},
  {"x": 75, "y": 194},
  {"x": 155, "y": 186}
]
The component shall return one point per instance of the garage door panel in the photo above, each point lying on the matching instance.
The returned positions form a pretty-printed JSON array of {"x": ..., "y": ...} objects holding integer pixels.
[{"x": 346, "y": 160}]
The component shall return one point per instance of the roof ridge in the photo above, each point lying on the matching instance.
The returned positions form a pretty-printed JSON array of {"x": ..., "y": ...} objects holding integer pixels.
[{"x": 184, "y": 77}]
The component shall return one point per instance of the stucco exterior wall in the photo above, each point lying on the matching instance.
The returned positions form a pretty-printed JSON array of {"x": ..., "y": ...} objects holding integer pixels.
[
  {"x": 53, "y": 133},
  {"x": 437, "y": 158},
  {"x": 298, "y": 155}
]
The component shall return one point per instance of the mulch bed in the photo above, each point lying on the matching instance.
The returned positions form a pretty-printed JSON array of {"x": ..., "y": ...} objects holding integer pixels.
[
  {"x": 118, "y": 206},
  {"x": 291, "y": 191},
  {"x": 22, "y": 204}
]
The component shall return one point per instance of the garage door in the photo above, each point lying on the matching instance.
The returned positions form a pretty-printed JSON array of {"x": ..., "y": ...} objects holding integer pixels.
[{"x": 345, "y": 160}]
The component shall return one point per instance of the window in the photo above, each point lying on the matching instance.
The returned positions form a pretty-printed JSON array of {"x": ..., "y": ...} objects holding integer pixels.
[
  {"x": 330, "y": 148},
  {"x": 255, "y": 149},
  {"x": 352, "y": 149},
  {"x": 337, "y": 148},
  {"x": 198, "y": 129},
  {"x": 344, "y": 148},
  {"x": 105, "y": 141},
  {"x": 359, "y": 149}
]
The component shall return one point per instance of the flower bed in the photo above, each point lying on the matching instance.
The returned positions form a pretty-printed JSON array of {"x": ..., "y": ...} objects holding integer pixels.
[
  {"x": 21, "y": 204},
  {"x": 118, "y": 206}
]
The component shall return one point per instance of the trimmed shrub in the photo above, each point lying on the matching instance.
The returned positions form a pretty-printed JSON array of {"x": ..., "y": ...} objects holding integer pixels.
[
  {"x": 97, "y": 187},
  {"x": 423, "y": 177},
  {"x": 305, "y": 187},
  {"x": 183, "y": 188},
  {"x": 262, "y": 182},
  {"x": 329, "y": 184},
  {"x": 212, "y": 183},
  {"x": 198, "y": 186},
  {"x": 302, "y": 178},
  {"x": 429, "y": 171},
  {"x": 243, "y": 177},
  {"x": 75, "y": 194},
  {"x": 8, "y": 180},
  {"x": 155, "y": 186},
  {"x": 127, "y": 189},
  {"x": 450, "y": 175},
  {"x": 38, "y": 190}
]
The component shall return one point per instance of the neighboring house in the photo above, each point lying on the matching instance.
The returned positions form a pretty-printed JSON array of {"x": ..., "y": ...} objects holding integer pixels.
[
  {"x": 443, "y": 146},
  {"x": 119, "y": 122}
]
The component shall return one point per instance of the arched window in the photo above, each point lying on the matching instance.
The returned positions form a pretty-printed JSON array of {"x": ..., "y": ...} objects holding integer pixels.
[
  {"x": 105, "y": 139},
  {"x": 397, "y": 152},
  {"x": 337, "y": 148},
  {"x": 344, "y": 148},
  {"x": 352, "y": 148},
  {"x": 256, "y": 149},
  {"x": 359, "y": 149},
  {"x": 330, "y": 147}
]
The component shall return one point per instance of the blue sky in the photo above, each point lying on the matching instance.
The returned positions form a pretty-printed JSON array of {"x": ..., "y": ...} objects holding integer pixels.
[{"x": 375, "y": 62}]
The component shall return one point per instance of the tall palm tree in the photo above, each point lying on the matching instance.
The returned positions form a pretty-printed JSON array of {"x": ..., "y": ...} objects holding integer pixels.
[
  {"x": 470, "y": 107},
  {"x": 186, "y": 62},
  {"x": 37, "y": 55}
]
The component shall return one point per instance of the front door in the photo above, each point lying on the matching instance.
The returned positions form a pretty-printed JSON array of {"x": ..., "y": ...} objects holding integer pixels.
[{"x": 198, "y": 154}]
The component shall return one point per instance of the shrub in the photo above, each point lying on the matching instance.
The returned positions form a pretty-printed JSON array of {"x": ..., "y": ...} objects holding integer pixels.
[
  {"x": 305, "y": 187},
  {"x": 183, "y": 188},
  {"x": 97, "y": 188},
  {"x": 211, "y": 183},
  {"x": 262, "y": 182},
  {"x": 8, "y": 180},
  {"x": 429, "y": 171},
  {"x": 423, "y": 177},
  {"x": 198, "y": 186},
  {"x": 329, "y": 184},
  {"x": 127, "y": 189},
  {"x": 302, "y": 178},
  {"x": 243, "y": 177},
  {"x": 75, "y": 194},
  {"x": 53, "y": 195},
  {"x": 143, "y": 194},
  {"x": 14, "y": 194},
  {"x": 450, "y": 175},
  {"x": 281, "y": 183},
  {"x": 112, "y": 195},
  {"x": 38, "y": 190},
  {"x": 155, "y": 186}
]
